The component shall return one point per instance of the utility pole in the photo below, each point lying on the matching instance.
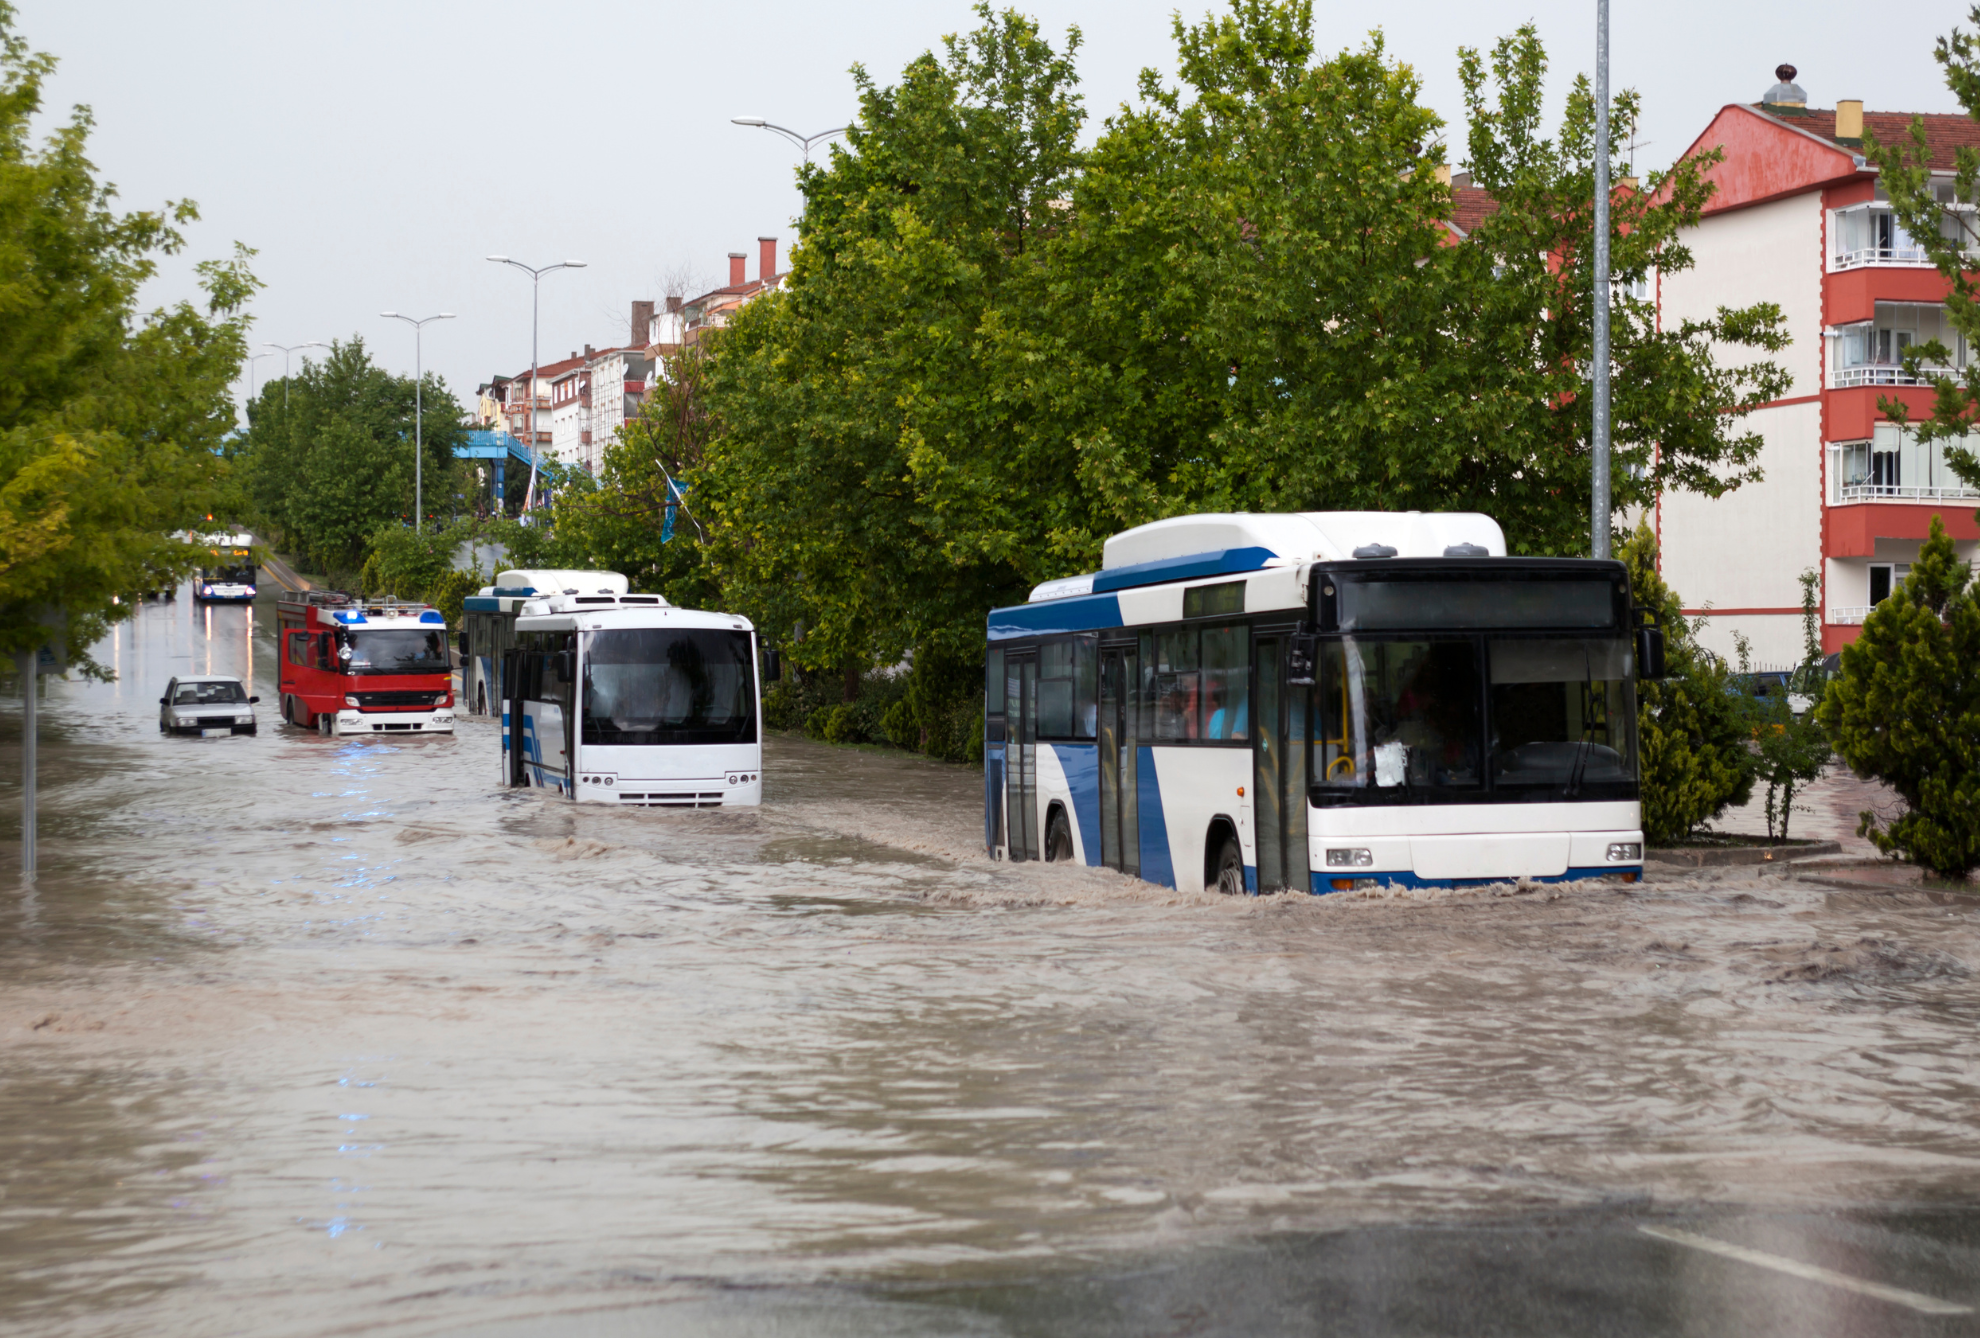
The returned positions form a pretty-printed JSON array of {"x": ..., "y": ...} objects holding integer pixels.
[
  {"x": 1598, "y": 505},
  {"x": 419, "y": 376},
  {"x": 535, "y": 287}
]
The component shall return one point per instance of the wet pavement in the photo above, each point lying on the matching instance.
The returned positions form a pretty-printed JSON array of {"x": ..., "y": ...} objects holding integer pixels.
[{"x": 307, "y": 1036}]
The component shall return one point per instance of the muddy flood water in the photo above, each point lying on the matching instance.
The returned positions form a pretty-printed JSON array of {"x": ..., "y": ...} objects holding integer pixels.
[{"x": 305, "y": 1036}]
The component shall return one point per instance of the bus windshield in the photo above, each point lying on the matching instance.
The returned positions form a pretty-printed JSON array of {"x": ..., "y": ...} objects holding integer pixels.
[
  {"x": 660, "y": 685},
  {"x": 1424, "y": 715},
  {"x": 403, "y": 650}
]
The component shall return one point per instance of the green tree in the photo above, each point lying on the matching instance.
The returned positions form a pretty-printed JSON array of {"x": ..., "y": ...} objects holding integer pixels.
[
  {"x": 1906, "y": 710},
  {"x": 328, "y": 455},
  {"x": 1690, "y": 733},
  {"x": 1949, "y": 230},
  {"x": 111, "y": 421},
  {"x": 1790, "y": 751}
]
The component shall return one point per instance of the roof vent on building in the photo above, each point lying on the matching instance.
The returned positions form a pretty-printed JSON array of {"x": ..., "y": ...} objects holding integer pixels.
[{"x": 1786, "y": 93}]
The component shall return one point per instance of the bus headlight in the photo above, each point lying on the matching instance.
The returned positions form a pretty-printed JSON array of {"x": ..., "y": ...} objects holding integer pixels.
[
  {"x": 1625, "y": 852},
  {"x": 1350, "y": 857}
]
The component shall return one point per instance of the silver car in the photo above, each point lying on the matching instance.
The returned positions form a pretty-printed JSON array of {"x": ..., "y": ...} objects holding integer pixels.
[{"x": 208, "y": 702}]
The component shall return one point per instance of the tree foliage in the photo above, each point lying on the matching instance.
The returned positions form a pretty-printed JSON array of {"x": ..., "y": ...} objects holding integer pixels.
[
  {"x": 328, "y": 455},
  {"x": 110, "y": 420},
  {"x": 1691, "y": 736},
  {"x": 1906, "y": 710}
]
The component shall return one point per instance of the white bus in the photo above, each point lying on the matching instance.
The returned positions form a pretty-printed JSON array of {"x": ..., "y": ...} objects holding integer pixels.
[
  {"x": 624, "y": 699},
  {"x": 488, "y": 624},
  {"x": 228, "y": 575},
  {"x": 1318, "y": 702}
]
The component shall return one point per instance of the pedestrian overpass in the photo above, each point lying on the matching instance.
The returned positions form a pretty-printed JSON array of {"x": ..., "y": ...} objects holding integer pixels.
[{"x": 499, "y": 446}]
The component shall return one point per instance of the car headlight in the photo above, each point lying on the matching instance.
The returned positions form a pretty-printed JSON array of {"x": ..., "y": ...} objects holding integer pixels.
[
  {"x": 1350, "y": 857},
  {"x": 1625, "y": 852},
  {"x": 350, "y": 701}
]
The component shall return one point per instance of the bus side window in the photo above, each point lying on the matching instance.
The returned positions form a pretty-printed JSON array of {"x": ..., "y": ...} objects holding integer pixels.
[
  {"x": 1226, "y": 682},
  {"x": 1177, "y": 684},
  {"x": 1068, "y": 688}
]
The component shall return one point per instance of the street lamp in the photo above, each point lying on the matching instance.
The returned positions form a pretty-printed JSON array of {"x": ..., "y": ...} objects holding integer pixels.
[
  {"x": 1598, "y": 502},
  {"x": 251, "y": 362},
  {"x": 802, "y": 141},
  {"x": 419, "y": 376},
  {"x": 535, "y": 285},
  {"x": 287, "y": 349}
]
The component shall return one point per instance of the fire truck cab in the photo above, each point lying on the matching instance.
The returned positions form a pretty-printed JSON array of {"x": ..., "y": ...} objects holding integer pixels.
[{"x": 358, "y": 666}]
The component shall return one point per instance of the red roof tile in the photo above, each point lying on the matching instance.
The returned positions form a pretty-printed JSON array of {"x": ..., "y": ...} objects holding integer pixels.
[{"x": 1944, "y": 133}]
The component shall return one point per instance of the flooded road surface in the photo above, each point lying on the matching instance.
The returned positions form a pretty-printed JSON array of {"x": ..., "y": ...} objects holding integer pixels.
[{"x": 306, "y": 1036}]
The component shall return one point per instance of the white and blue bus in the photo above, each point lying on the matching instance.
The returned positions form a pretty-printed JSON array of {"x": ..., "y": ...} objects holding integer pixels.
[
  {"x": 488, "y": 624},
  {"x": 1319, "y": 702},
  {"x": 626, "y": 700}
]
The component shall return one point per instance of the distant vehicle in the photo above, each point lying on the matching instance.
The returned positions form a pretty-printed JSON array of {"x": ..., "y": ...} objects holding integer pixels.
[
  {"x": 624, "y": 699},
  {"x": 364, "y": 666},
  {"x": 488, "y": 624},
  {"x": 194, "y": 705},
  {"x": 230, "y": 575},
  {"x": 1320, "y": 702}
]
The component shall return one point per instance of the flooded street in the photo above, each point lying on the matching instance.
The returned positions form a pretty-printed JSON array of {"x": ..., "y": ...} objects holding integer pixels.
[{"x": 307, "y": 1036}]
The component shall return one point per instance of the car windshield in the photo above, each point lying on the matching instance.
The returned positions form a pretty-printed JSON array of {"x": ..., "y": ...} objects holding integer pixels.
[
  {"x": 656, "y": 685},
  {"x": 208, "y": 694},
  {"x": 406, "y": 650}
]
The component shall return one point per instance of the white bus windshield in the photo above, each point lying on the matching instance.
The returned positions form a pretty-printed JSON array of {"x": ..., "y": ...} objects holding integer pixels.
[
  {"x": 666, "y": 686},
  {"x": 404, "y": 650}
]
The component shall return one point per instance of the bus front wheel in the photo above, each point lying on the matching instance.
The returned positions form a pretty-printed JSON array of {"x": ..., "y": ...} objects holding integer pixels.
[{"x": 1230, "y": 867}]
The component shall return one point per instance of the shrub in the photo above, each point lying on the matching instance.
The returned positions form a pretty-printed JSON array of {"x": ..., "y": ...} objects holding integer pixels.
[
  {"x": 1906, "y": 710},
  {"x": 1692, "y": 741}
]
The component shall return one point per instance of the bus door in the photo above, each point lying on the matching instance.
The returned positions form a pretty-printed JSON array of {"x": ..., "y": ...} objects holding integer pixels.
[
  {"x": 1021, "y": 752},
  {"x": 509, "y": 710},
  {"x": 1279, "y": 779},
  {"x": 1120, "y": 830}
]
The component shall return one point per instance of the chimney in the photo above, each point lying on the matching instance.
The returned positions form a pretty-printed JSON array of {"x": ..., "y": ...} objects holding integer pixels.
[
  {"x": 766, "y": 258},
  {"x": 736, "y": 259},
  {"x": 642, "y": 323},
  {"x": 675, "y": 302},
  {"x": 1849, "y": 118},
  {"x": 1443, "y": 174}
]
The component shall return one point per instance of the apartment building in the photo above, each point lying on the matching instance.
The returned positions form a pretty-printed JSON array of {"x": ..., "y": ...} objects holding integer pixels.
[
  {"x": 1799, "y": 218},
  {"x": 715, "y": 309},
  {"x": 570, "y": 409}
]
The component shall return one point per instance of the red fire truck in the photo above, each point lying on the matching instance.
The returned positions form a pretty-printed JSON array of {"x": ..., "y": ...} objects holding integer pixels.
[{"x": 358, "y": 666}]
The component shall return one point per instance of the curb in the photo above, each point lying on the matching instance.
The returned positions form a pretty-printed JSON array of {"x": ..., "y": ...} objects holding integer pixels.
[{"x": 1725, "y": 856}]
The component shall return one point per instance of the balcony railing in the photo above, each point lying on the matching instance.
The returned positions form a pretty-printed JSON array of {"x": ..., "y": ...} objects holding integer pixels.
[
  {"x": 1885, "y": 492},
  {"x": 1880, "y": 255},
  {"x": 1882, "y": 374},
  {"x": 1848, "y": 617}
]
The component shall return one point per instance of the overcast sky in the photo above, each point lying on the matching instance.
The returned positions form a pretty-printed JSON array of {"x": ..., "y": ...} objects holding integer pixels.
[{"x": 374, "y": 152}]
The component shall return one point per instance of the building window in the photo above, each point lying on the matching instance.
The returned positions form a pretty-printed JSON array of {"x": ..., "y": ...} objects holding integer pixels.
[
  {"x": 1884, "y": 578},
  {"x": 1871, "y": 353}
]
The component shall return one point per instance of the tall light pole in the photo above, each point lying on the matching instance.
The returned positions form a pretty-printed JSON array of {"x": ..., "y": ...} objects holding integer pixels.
[
  {"x": 802, "y": 141},
  {"x": 419, "y": 376},
  {"x": 535, "y": 287},
  {"x": 287, "y": 349},
  {"x": 251, "y": 362},
  {"x": 1598, "y": 505}
]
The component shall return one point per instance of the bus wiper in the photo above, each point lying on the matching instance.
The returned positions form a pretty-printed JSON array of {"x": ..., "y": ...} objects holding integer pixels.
[{"x": 1582, "y": 745}]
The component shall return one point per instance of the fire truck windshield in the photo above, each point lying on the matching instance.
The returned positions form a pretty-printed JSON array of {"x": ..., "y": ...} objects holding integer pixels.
[{"x": 398, "y": 651}]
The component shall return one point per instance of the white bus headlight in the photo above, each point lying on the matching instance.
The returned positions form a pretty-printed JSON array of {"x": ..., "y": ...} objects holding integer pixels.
[
  {"x": 1351, "y": 857},
  {"x": 1625, "y": 852}
]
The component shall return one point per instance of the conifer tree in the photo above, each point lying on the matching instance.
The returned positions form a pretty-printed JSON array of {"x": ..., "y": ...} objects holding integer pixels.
[
  {"x": 1695, "y": 762},
  {"x": 1906, "y": 710}
]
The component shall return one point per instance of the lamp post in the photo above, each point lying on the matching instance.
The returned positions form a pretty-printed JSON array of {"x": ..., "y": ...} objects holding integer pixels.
[
  {"x": 287, "y": 349},
  {"x": 1598, "y": 504},
  {"x": 535, "y": 287},
  {"x": 251, "y": 362},
  {"x": 804, "y": 142},
  {"x": 419, "y": 376}
]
